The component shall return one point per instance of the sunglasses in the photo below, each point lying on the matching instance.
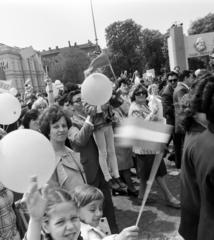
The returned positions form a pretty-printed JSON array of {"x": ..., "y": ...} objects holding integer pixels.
[
  {"x": 173, "y": 80},
  {"x": 140, "y": 93},
  {"x": 77, "y": 100}
]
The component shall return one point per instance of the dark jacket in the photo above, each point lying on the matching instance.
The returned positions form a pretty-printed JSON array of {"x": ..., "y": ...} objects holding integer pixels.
[
  {"x": 81, "y": 139},
  {"x": 189, "y": 190},
  {"x": 204, "y": 167},
  {"x": 178, "y": 94},
  {"x": 168, "y": 106}
]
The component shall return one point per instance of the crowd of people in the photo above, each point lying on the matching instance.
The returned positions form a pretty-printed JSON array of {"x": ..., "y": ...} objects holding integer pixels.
[{"x": 91, "y": 165}]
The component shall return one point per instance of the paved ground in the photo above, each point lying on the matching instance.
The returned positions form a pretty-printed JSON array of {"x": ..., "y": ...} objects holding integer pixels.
[{"x": 158, "y": 221}]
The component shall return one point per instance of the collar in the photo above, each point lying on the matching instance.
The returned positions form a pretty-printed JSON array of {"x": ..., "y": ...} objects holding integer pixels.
[
  {"x": 183, "y": 84},
  {"x": 211, "y": 127}
]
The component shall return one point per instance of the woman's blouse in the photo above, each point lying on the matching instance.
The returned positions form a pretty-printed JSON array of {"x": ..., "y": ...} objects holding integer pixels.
[{"x": 140, "y": 111}]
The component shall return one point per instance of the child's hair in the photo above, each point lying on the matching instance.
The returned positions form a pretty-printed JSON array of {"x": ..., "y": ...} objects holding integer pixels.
[
  {"x": 56, "y": 196},
  {"x": 84, "y": 194}
]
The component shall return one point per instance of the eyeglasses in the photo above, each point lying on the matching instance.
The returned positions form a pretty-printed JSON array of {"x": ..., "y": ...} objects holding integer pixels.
[
  {"x": 140, "y": 93},
  {"x": 173, "y": 80},
  {"x": 77, "y": 100}
]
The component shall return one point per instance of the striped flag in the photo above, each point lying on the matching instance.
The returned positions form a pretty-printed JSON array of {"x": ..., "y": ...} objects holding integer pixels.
[
  {"x": 145, "y": 134},
  {"x": 101, "y": 61}
]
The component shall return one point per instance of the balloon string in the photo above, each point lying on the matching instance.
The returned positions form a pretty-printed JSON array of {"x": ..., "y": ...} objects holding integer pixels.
[{"x": 7, "y": 128}]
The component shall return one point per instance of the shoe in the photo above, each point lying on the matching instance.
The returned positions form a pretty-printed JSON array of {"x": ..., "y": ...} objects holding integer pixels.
[
  {"x": 173, "y": 202},
  {"x": 148, "y": 200},
  {"x": 113, "y": 185},
  {"x": 119, "y": 192},
  {"x": 135, "y": 193},
  {"x": 120, "y": 183},
  {"x": 171, "y": 157}
]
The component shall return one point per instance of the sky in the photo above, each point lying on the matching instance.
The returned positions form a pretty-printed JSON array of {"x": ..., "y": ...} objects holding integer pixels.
[{"x": 50, "y": 23}]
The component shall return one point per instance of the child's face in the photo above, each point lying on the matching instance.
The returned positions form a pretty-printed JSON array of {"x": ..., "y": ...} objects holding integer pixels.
[
  {"x": 64, "y": 223},
  {"x": 92, "y": 213}
]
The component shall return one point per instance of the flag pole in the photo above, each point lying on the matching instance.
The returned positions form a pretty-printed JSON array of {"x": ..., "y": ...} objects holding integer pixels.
[
  {"x": 95, "y": 32},
  {"x": 155, "y": 166},
  {"x": 112, "y": 72}
]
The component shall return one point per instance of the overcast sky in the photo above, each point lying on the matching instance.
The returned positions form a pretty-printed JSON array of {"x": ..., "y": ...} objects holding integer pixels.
[{"x": 51, "y": 23}]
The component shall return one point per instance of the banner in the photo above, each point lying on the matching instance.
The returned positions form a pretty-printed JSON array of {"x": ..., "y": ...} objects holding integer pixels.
[
  {"x": 150, "y": 72},
  {"x": 27, "y": 52},
  {"x": 5, "y": 86}
]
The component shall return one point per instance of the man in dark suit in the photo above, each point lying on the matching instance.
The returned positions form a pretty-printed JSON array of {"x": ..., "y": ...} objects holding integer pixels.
[
  {"x": 81, "y": 139},
  {"x": 167, "y": 101},
  {"x": 185, "y": 80}
]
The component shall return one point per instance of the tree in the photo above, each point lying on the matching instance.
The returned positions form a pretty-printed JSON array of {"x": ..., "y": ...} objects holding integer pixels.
[
  {"x": 71, "y": 66},
  {"x": 123, "y": 42},
  {"x": 152, "y": 42},
  {"x": 202, "y": 25}
]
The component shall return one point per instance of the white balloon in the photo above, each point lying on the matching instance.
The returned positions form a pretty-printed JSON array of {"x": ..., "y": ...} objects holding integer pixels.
[
  {"x": 24, "y": 153},
  {"x": 10, "y": 109},
  {"x": 96, "y": 89},
  {"x": 55, "y": 90},
  {"x": 57, "y": 82},
  {"x": 13, "y": 91}
]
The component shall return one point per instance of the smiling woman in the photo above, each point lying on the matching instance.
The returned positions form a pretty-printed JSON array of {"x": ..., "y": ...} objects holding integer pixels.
[{"x": 54, "y": 124}]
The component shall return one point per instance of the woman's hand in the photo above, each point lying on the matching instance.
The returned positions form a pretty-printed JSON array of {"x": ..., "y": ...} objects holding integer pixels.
[
  {"x": 130, "y": 233},
  {"x": 36, "y": 203}
]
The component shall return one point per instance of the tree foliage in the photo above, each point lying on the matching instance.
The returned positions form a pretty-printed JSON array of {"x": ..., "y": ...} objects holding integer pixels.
[
  {"x": 70, "y": 67},
  {"x": 123, "y": 42},
  {"x": 132, "y": 48},
  {"x": 202, "y": 25}
]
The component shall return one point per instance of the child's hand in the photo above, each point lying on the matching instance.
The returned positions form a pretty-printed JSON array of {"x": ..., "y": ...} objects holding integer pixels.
[
  {"x": 47, "y": 80},
  {"x": 104, "y": 107},
  {"x": 36, "y": 203},
  {"x": 130, "y": 233}
]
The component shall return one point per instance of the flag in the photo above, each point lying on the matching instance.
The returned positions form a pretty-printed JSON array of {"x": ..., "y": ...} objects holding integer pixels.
[
  {"x": 27, "y": 52},
  {"x": 144, "y": 134},
  {"x": 5, "y": 86},
  {"x": 101, "y": 61}
]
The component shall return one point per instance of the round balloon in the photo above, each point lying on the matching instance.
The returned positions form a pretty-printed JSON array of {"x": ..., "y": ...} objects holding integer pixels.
[
  {"x": 59, "y": 85},
  {"x": 57, "y": 82},
  {"x": 13, "y": 91},
  {"x": 96, "y": 89},
  {"x": 55, "y": 90},
  {"x": 25, "y": 153},
  {"x": 10, "y": 109}
]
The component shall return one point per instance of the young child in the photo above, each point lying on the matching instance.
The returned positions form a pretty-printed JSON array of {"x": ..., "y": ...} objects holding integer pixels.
[
  {"x": 90, "y": 202},
  {"x": 104, "y": 137},
  {"x": 53, "y": 212}
]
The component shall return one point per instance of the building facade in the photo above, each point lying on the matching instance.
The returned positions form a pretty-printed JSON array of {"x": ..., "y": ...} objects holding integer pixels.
[
  {"x": 14, "y": 67},
  {"x": 53, "y": 57}
]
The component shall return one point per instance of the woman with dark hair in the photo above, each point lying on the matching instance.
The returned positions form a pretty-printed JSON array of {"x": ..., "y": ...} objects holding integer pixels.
[
  {"x": 145, "y": 158},
  {"x": 54, "y": 124},
  {"x": 31, "y": 120},
  {"x": 194, "y": 122}
]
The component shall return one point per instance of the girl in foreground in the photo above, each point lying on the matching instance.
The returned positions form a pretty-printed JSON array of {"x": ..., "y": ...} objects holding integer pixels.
[
  {"x": 90, "y": 202},
  {"x": 53, "y": 214}
]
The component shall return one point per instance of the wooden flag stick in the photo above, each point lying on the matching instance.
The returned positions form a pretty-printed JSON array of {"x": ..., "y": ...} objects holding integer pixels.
[
  {"x": 155, "y": 166},
  {"x": 112, "y": 72}
]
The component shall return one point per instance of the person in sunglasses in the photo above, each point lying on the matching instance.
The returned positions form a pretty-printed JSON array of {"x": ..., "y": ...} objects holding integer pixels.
[
  {"x": 168, "y": 105},
  {"x": 145, "y": 157}
]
